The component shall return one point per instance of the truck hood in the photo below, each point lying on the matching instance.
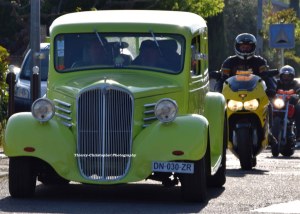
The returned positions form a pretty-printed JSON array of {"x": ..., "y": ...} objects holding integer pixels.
[{"x": 142, "y": 85}]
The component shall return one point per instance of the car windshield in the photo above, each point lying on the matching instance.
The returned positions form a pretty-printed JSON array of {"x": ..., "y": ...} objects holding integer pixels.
[
  {"x": 27, "y": 67},
  {"x": 144, "y": 51}
]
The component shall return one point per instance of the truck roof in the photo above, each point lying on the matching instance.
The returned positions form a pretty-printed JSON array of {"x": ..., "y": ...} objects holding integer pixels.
[{"x": 173, "y": 18}]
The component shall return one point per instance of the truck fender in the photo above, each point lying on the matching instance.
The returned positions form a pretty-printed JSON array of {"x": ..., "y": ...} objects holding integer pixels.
[
  {"x": 44, "y": 139},
  {"x": 215, "y": 111},
  {"x": 187, "y": 133}
]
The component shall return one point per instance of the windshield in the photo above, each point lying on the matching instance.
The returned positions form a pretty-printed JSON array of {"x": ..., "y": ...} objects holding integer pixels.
[
  {"x": 243, "y": 82},
  {"x": 27, "y": 67},
  {"x": 151, "y": 51}
]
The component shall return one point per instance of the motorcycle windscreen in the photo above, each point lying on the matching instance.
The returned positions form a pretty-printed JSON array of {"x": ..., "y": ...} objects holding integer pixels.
[{"x": 243, "y": 82}]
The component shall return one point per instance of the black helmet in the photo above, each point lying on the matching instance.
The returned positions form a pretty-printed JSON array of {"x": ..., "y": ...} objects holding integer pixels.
[
  {"x": 287, "y": 74},
  {"x": 245, "y": 45}
]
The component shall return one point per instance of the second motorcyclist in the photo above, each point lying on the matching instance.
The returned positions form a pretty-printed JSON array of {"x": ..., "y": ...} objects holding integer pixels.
[{"x": 287, "y": 82}]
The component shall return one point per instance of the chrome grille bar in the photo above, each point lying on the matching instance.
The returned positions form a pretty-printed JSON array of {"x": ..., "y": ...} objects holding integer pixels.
[
  {"x": 62, "y": 111},
  {"x": 104, "y": 132},
  {"x": 149, "y": 116}
]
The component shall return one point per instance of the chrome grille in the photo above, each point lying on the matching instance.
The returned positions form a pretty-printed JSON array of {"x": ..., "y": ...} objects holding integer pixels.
[{"x": 104, "y": 121}]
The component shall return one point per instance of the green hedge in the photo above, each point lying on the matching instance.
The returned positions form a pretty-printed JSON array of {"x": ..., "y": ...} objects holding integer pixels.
[{"x": 3, "y": 92}]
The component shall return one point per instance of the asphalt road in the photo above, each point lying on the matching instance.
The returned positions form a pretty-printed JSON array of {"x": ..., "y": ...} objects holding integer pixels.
[{"x": 272, "y": 187}]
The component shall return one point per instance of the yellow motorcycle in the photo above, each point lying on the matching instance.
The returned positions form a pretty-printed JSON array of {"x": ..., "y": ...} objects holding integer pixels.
[{"x": 247, "y": 116}]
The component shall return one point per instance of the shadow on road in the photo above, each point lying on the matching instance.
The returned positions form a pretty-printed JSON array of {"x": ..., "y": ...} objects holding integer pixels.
[
  {"x": 242, "y": 173},
  {"x": 127, "y": 198}
]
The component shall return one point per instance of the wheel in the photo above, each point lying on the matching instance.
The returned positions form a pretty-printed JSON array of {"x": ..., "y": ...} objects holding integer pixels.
[
  {"x": 22, "y": 177},
  {"x": 244, "y": 148},
  {"x": 219, "y": 179},
  {"x": 287, "y": 151},
  {"x": 277, "y": 133},
  {"x": 193, "y": 186}
]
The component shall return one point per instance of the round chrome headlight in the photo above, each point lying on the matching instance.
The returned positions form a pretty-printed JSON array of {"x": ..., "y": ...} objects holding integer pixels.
[
  {"x": 251, "y": 105},
  {"x": 235, "y": 105},
  {"x": 43, "y": 109},
  {"x": 278, "y": 103},
  {"x": 166, "y": 110}
]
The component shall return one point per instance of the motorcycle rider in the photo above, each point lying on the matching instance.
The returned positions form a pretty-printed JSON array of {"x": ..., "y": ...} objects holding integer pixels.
[
  {"x": 287, "y": 82},
  {"x": 245, "y": 59}
]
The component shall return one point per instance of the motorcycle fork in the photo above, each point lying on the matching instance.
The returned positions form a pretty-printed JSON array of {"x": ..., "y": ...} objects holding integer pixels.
[{"x": 283, "y": 142}]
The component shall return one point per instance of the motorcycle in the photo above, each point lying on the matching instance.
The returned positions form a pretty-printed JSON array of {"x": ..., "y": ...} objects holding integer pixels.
[
  {"x": 248, "y": 109},
  {"x": 284, "y": 127}
]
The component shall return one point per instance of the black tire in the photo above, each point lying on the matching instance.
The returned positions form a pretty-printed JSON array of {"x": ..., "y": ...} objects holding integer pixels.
[
  {"x": 287, "y": 151},
  {"x": 193, "y": 186},
  {"x": 219, "y": 178},
  {"x": 277, "y": 133},
  {"x": 22, "y": 177},
  {"x": 244, "y": 149}
]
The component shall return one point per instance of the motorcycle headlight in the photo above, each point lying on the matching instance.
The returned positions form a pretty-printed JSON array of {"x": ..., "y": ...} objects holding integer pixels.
[
  {"x": 278, "y": 103},
  {"x": 22, "y": 92},
  {"x": 251, "y": 105},
  {"x": 43, "y": 109},
  {"x": 166, "y": 110},
  {"x": 235, "y": 105}
]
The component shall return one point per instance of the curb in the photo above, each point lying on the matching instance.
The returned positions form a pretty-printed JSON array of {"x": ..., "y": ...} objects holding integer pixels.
[
  {"x": 2, "y": 156},
  {"x": 3, "y": 174}
]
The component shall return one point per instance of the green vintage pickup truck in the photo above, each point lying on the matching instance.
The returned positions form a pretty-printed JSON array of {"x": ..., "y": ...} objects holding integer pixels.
[{"x": 127, "y": 100}]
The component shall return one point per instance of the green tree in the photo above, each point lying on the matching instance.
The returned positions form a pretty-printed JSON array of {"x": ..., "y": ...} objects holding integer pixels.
[
  {"x": 3, "y": 94},
  {"x": 287, "y": 16},
  {"x": 205, "y": 8},
  {"x": 239, "y": 17}
]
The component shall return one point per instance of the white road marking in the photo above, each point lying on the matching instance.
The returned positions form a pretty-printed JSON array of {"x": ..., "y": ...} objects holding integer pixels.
[{"x": 291, "y": 207}]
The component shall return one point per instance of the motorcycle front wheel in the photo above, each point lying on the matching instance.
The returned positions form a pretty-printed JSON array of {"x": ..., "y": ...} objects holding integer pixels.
[
  {"x": 244, "y": 139},
  {"x": 277, "y": 133}
]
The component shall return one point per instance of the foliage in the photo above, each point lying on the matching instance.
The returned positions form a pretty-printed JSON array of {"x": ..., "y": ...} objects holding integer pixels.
[
  {"x": 205, "y": 8},
  {"x": 3, "y": 93},
  {"x": 238, "y": 20},
  {"x": 293, "y": 60},
  {"x": 287, "y": 16}
]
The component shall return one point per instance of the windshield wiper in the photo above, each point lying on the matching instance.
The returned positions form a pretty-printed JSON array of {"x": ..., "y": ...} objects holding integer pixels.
[
  {"x": 154, "y": 38},
  {"x": 101, "y": 42}
]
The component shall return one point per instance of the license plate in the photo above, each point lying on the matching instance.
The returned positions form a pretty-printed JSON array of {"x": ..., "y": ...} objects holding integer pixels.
[{"x": 178, "y": 167}]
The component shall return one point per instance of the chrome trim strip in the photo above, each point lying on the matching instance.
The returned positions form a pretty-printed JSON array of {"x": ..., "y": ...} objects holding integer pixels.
[
  {"x": 63, "y": 116},
  {"x": 149, "y": 112},
  {"x": 150, "y": 105},
  {"x": 69, "y": 125},
  {"x": 62, "y": 109},
  {"x": 62, "y": 103},
  {"x": 150, "y": 118}
]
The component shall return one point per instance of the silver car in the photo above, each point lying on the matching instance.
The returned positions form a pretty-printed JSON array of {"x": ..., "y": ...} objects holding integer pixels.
[{"x": 22, "y": 87}]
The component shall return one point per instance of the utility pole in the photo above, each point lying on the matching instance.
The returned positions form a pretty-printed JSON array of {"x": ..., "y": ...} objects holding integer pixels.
[
  {"x": 259, "y": 27},
  {"x": 35, "y": 39}
]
